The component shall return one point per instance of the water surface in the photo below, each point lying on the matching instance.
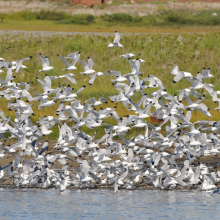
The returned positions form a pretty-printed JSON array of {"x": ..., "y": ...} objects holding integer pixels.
[{"x": 104, "y": 204}]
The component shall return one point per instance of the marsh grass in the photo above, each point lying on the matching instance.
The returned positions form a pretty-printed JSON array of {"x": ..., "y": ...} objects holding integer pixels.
[
  {"x": 161, "y": 18},
  {"x": 162, "y": 21},
  {"x": 191, "y": 52}
]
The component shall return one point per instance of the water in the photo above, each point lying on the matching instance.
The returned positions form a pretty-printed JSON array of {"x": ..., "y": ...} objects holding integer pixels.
[{"x": 104, "y": 204}]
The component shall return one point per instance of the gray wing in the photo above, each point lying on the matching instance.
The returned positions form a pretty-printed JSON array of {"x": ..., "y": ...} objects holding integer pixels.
[
  {"x": 117, "y": 38},
  {"x": 85, "y": 168},
  {"x": 90, "y": 63},
  {"x": 44, "y": 61},
  {"x": 80, "y": 89},
  {"x": 70, "y": 78},
  {"x": 76, "y": 59},
  {"x": 205, "y": 72},
  {"x": 64, "y": 60},
  {"x": 93, "y": 77},
  {"x": 85, "y": 65},
  {"x": 72, "y": 56},
  {"x": 178, "y": 77},
  {"x": 130, "y": 155},
  {"x": 138, "y": 64},
  {"x": 133, "y": 66},
  {"x": 9, "y": 74},
  {"x": 19, "y": 63}
]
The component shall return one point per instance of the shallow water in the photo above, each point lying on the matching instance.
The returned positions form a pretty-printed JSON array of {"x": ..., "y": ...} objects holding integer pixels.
[{"x": 104, "y": 204}]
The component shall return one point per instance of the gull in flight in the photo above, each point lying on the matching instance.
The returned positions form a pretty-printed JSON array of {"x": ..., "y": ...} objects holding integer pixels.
[
  {"x": 45, "y": 64},
  {"x": 179, "y": 74},
  {"x": 19, "y": 63},
  {"x": 72, "y": 56},
  {"x": 206, "y": 73},
  {"x": 129, "y": 55},
  {"x": 116, "y": 41},
  {"x": 72, "y": 65},
  {"x": 87, "y": 66}
]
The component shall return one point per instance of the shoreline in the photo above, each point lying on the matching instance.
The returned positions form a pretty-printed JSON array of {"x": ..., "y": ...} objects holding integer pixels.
[{"x": 142, "y": 186}]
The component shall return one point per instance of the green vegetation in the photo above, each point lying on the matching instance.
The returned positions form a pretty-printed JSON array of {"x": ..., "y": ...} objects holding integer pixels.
[
  {"x": 191, "y": 52},
  {"x": 163, "y": 18},
  {"x": 121, "y": 17},
  {"x": 78, "y": 19},
  {"x": 183, "y": 17}
]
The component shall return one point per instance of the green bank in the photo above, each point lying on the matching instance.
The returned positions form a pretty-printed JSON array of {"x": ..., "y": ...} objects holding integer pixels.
[{"x": 190, "y": 52}]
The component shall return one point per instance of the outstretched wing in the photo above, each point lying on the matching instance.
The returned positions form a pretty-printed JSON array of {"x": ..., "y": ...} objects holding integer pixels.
[
  {"x": 44, "y": 61},
  {"x": 90, "y": 63},
  {"x": 64, "y": 60},
  {"x": 117, "y": 38}
]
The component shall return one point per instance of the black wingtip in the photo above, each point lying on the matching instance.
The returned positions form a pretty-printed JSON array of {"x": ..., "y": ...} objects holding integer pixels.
[
  {"x": 174, "y": 81},
  {"x": 58, "y": 55},
  {"x": 30, "y": 57}
]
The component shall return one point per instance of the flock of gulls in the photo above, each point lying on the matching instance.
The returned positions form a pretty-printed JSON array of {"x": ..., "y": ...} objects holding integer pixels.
[{"x": 82, "y": 161}]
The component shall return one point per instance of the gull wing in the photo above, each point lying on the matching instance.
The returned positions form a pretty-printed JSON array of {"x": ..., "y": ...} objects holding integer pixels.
[
  {"x": 117, "y": 38},
  {"x": 178, "y": 77},
  {"x": 44, "y": 61},
  {"x": 64, "y": 60},
  {"x": 19, "y": 63},
  {"x": 72, "y": 56},
  {"x": 90, "y": 63},
  {"x": 85, "y": 65},
  {"x": 93, "y": 77},
  {"x": 69, "y": 77},
  {"x": 48, "y": 81},
  {"x": 76, "y": 59},
  {"x": 47, "y": 60},
  {"x": 133, "y": 66},
  {"x": 9, "y": 74},
  {"x": 138, "y": 64}
]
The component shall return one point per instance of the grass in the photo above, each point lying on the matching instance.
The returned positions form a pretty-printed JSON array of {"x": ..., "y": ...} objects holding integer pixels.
[
  {"x": 162, "y": 22},
  {"x": 191, "y": 52}
]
